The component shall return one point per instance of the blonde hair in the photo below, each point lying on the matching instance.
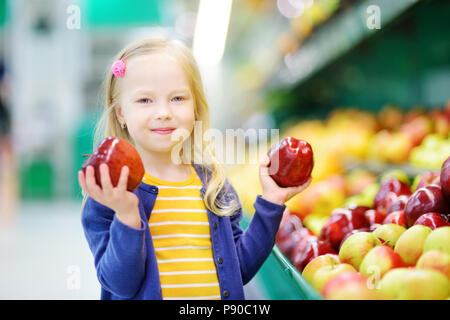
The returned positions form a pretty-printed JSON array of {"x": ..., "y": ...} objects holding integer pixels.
[{"x": 109, "y": 125}]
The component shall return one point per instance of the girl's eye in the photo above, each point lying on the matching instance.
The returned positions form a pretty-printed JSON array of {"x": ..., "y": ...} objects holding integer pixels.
[
  {"x": 178, "y": 98},
  {"x": 144, "y": 100}
]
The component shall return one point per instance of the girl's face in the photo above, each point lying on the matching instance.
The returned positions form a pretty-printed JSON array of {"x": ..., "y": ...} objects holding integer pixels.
[{"x": 155, "y": 95}]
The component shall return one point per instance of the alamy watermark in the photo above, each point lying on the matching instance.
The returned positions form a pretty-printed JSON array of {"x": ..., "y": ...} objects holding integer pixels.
[
  {"x": 73, "y": 281},
  {"x": 373, "y": 17},
  {"x": 73, "y": 21},
  {"x": 230, "y": 147}
]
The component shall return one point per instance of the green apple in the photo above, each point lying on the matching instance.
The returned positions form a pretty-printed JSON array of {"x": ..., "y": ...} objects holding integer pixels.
[
  {"x": 317, "y": 263},
  {"x": 424, "y": 284},
  {"x": 436, "y": 260},
  {"x": 315, "y": 222},
  {"x": 410, "y": 245},
  {"x": 389, "y": 285},
  {"x": 389, "y": 233},
  {"x": 365, "y": 198},
  {"x": 439, "y": 240},
  {"x": 396, "y": 173},
  {"x": 356, "y": 247},
  {"x": 380, "y": 260},
  {"x": 324, "y": 274},
  {"x": 416, "y": 182}
]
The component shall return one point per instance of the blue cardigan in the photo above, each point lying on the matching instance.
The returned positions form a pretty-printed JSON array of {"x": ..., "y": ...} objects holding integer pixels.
[{"x": 125, "y": 259}]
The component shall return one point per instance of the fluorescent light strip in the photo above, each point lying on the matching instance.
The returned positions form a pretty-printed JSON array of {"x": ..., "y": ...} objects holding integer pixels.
[{"x": 211, "y": 30}]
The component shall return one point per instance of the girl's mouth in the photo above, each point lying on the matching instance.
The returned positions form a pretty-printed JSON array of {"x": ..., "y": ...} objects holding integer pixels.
[{"x": 163, "y": 130}]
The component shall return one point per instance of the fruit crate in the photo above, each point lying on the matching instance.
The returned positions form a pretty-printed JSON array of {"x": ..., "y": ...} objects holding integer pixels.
[{"x": 280, "y": 279}]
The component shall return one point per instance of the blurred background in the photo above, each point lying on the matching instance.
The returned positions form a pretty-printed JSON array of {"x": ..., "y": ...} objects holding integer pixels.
[{"x": 367, "y": 83}]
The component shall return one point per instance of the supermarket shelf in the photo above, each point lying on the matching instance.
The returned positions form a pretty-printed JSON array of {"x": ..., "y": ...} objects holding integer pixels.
[
  {"x": 332, "y": 40},
  {"x": 304, "y": 289},
  {"x": 280, "y": 279},
  {"x": 380, "y": 167}
]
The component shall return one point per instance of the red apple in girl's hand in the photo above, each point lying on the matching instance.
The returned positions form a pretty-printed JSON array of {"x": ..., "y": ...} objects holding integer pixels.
[
  {"x": 426, "y": 199},
  {"x": 116, "y": 153},
  {"x": 432, "y": 219},
  {"x": 445, "y": 179},
  {"x": 291, "y": 162}
]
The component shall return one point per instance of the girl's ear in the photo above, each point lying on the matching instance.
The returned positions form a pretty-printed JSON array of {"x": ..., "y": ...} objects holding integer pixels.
[{"x": 119, "y": 114}]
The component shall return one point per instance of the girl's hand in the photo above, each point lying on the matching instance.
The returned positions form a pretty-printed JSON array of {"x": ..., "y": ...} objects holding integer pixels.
[
  {"x": 271, "y": 191},
  {"x": 123, "y": 202}
]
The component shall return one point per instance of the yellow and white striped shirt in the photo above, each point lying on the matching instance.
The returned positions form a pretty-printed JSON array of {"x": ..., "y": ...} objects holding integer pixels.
[{"x": 181, "y": 236}]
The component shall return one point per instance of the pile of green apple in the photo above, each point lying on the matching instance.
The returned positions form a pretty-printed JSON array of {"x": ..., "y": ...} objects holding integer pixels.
[
  {"x": 431, "y": 153},
  {"x": 401, "y": 252},
  {"x": 406, "y": 264}
]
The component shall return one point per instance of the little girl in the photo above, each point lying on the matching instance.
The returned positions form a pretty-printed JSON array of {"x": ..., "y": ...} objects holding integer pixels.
[{"x": 177, "y": 236}]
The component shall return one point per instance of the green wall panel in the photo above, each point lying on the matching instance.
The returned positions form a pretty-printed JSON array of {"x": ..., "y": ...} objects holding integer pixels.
[{"x": 119, "y": 13}]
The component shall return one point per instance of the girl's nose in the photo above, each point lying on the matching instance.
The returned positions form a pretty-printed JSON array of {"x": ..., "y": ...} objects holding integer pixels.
[{"x": 163, "y": 112}]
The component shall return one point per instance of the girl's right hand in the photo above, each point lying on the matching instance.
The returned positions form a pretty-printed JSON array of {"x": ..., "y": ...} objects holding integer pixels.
[{"x": 123, "y": 202}]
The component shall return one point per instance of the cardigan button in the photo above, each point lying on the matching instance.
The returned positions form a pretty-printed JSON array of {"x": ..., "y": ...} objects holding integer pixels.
[
  {"x": 226, "y": 293},
  {"x": 220, "y": 260},
  {"x": 215, "y": 225}
]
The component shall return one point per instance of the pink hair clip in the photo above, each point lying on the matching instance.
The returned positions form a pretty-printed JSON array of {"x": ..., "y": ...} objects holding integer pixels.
[{"x": 118, "y": 68}]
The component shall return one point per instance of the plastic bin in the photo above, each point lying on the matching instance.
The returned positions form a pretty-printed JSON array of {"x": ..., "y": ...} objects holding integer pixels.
[{"x": 279, "y": 279}]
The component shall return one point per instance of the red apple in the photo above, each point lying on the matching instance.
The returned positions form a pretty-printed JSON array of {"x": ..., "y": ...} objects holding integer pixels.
[
  {"x": 288, "y": 224},
  {"x": 417, "y": 129},
  {"x": 116, "y": 153},
  {"x": 309, "y": 249},
  {"x": 398, "y": 204},
  {"x": 341, "y": 222},
  {"x": 445, "y": 179},
  {"x": 291, "y": 162},
  {"x": 426, "y": 199},
  {"x": 429, "y": 177},
  {"x": 288, "y": 244},
  {"x": 432, "y": 219},
  {"x": 375, "y": 218},
  {"x": 350, "y": 285},
  {"x": 380, "y": 260},
  {"x": 397, "y": 217},
  {"x": 384, "y": 198}
]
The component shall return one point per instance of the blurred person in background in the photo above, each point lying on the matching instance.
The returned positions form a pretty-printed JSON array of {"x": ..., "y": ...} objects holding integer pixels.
[{"x": 7, "y": 168}]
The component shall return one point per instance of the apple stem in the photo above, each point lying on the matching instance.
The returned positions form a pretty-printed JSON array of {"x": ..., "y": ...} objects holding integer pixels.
[{"x": 86, "y": 155}]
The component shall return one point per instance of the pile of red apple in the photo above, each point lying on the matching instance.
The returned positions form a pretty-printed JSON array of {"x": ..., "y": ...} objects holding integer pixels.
[{"x": 397, "y": 249}]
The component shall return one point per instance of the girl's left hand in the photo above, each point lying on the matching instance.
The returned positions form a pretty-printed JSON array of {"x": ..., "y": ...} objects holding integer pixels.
[{"x": 271, "y": 191}]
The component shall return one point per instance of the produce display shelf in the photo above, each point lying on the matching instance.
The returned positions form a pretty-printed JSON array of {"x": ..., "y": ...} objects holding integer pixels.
[
  {"x": 279, "y": 278},
  {"x": 380, "y": 168},
  {"x": 304, "y": 289},
  {"x": 335, "y": 38}
]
